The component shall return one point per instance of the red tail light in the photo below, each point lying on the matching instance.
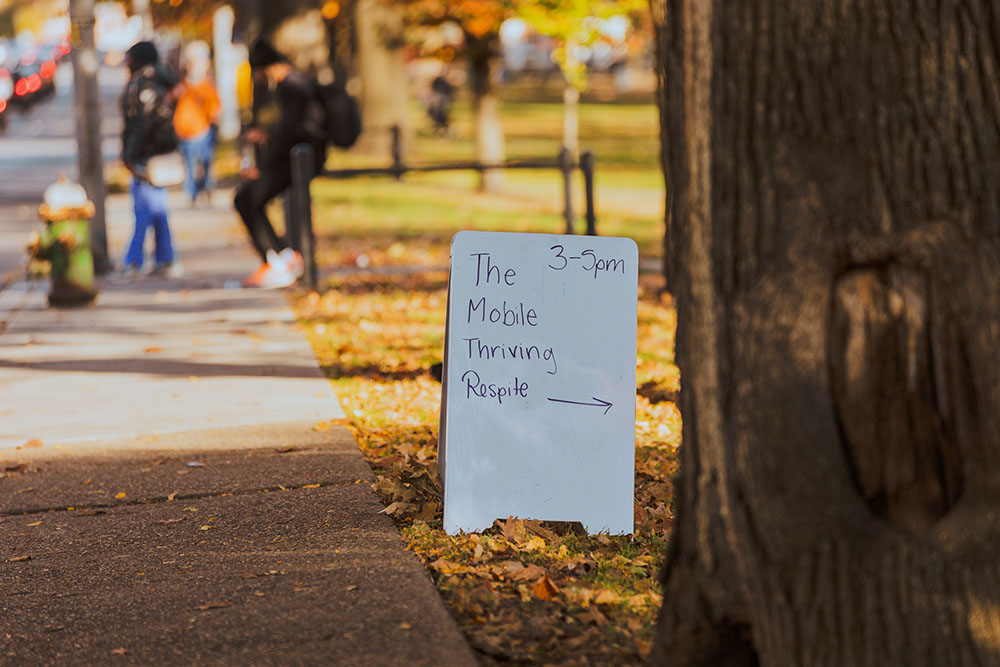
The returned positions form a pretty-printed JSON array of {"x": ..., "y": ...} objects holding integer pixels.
[
  {"x": 21, "y": 87},
  {"x": 34, "y": 83},
  {"x": 48, "y": 69},
  {"x": 3, "y": 105}
]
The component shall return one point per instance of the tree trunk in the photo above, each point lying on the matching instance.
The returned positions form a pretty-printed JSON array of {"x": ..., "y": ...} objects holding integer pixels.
[
  {"x": 384, "y": 92},
  {"x": 344, "y": 43},
  {"x": 489, "y": 129},
  {"x": 833, "y": 229},
  {"x": 571, "y": 104},
  {"x": 571, "y": 120}
]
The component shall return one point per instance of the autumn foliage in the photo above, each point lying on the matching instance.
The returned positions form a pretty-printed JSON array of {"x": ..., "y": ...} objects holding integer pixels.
[{"x": 477, "y": 18}]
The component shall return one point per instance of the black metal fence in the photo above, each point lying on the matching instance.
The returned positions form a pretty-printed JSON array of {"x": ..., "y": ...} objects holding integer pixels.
[{"x": 299, "y": 204}]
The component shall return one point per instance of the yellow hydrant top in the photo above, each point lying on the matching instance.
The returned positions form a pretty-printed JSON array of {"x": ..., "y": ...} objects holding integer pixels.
[{"x": 65, "y": 200}]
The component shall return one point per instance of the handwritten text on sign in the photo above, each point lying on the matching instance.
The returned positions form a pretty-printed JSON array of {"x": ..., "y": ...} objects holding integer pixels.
[{"x": 538, "y": 404}]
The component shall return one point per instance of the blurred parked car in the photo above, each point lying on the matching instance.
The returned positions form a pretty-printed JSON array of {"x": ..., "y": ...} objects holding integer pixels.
[
  {"x": 55, "y": 51},
  {"x": 6, "y": 91},
  {"x": 33, "y": 77},
  {"x": 6, "y": 84},
  {"x": 60, "y": 50}
]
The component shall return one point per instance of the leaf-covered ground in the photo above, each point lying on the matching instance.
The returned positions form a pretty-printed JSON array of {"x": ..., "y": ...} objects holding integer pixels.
[{"x": 522, "y": 591}]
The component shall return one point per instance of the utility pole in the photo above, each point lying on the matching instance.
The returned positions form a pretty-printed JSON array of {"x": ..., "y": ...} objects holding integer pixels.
[{"x": 90, "y": 162}]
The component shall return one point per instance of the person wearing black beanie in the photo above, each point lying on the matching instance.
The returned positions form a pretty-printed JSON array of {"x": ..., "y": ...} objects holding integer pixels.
[
  {"x": 140, "y": 55},
  {"x": 263, "y": 54},
  {"x": 148, "y": 131}
]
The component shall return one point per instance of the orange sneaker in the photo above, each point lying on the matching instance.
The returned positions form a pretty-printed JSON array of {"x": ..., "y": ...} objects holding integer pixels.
[{"x": 253, "y": 280}]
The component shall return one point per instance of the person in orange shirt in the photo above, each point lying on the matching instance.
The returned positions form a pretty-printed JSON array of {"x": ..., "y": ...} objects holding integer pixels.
[{"x": 195, "y": 121}]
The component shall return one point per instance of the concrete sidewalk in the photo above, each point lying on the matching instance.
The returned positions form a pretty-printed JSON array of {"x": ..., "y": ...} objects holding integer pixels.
[{"x": 165, "y": 494}]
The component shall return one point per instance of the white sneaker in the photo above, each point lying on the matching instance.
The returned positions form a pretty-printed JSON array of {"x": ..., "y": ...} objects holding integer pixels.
[
  {"x": 293, "y": 260},
  {"x": 272, "y": 274},
  {"x": 127, "y": 273},
  {"x": 173, "y": 270}
]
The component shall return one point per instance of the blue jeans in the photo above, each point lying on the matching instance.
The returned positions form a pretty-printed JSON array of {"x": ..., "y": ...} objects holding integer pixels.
[
  {"x": 198, "y": 153},
  {"x": 150, "y": 206}
]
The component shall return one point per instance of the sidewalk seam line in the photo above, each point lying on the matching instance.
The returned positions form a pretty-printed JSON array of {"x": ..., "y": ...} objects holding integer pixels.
[
  {"x": 9, "y": 315},
  {"x": 165, "y": 499}
]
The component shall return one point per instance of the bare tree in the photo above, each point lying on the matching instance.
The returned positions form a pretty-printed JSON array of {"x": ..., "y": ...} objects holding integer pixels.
[{"x": 833, "y": 232}]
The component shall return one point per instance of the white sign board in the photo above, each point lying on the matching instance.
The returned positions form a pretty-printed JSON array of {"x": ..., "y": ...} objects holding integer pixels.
[{"x": 538, "y": 396}]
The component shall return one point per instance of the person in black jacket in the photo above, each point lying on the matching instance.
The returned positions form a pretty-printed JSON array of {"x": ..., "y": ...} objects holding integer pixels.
[
  {"x": 148, "y": 131},
  {"x": 295, "y": 95}
]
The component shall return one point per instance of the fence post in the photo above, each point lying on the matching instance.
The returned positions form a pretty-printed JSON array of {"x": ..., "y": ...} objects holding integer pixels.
[
  {"x": 587, "y": 167},
  {"x": 397, "y": 153},
  {"x": 292, "y": 220},
  {"x": 303, "y": 164},
  {"x": 566, "y": 165}
]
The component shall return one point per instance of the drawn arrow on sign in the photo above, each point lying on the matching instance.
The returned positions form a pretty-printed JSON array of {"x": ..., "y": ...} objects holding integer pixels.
[{"x": 600, "y": 403}]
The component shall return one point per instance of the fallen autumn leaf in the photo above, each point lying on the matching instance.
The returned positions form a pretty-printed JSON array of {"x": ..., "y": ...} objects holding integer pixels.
[{"x": 543, "y": 589}]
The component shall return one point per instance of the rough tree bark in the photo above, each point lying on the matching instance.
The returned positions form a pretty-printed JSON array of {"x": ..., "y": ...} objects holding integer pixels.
[{"x": 833, "y": 225}]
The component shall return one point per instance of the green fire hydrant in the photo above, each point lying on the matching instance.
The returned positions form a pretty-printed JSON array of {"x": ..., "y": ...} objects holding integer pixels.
[{"x": 66, "y": 243}]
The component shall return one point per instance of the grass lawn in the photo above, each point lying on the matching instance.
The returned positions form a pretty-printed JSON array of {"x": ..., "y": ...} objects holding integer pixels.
[
  {"x": 373, "y": 216},
  {"x": 523, "y": 590}
]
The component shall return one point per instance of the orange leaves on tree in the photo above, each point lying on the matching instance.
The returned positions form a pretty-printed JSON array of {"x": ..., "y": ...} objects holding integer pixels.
[
  {"x": 480, "y": 19},
  {"x": 481, "y": 25},
  {"x": 330, "y": 9}
]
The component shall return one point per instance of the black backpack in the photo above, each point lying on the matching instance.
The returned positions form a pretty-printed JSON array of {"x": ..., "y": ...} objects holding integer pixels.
[
  {"x": 160, "y": 135},
  {"x": 163, "y": 138},
  {"x": 341, "y": 117}
]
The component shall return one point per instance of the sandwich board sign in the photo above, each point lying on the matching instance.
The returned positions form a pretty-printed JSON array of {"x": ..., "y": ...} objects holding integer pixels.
[{"x": 538, "y": 384}]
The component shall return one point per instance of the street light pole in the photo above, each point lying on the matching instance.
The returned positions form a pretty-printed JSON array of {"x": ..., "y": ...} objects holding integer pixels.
[{"x": 90, "y": 162}]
